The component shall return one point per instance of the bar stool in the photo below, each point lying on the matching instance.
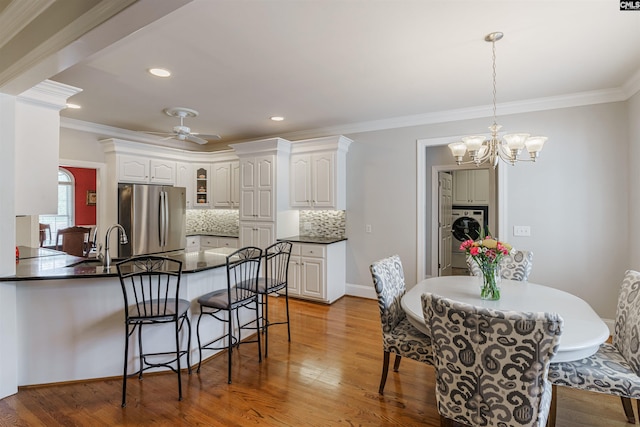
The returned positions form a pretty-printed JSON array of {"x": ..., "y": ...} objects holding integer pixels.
[
  {"x": 151, "y": 286},
  {"x": 276, "y": 279},
  {"x": 243, "y": 269}
]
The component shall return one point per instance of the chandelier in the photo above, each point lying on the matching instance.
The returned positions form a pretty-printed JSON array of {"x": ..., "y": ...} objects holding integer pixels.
[{"x": 482, "y": 150}]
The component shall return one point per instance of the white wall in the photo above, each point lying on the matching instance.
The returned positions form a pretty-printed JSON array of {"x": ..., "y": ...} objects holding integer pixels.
[{"x": 633, "y": 120}]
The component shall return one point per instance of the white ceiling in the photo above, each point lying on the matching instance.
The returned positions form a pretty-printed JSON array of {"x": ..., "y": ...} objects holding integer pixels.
[{"x": 338, "y": 66}]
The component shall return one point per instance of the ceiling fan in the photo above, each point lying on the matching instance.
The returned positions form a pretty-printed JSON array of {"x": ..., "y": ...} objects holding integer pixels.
[{"x": 182, "y": 132}]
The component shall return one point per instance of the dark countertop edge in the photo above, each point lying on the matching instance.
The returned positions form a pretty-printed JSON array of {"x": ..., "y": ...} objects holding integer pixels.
[
  {"x": 213, "y": 235},
  {"x": 71, "y": 276},
  {"x": 71, "y": 273},
  {"x": 314, "y": 240}
]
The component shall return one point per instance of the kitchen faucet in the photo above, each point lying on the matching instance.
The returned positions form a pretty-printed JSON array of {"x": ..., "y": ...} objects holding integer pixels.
[{"x": 106, "y": 258}]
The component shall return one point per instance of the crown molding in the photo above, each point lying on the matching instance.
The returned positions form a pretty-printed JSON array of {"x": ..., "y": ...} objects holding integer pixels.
[{"x": 517, "y": 107}]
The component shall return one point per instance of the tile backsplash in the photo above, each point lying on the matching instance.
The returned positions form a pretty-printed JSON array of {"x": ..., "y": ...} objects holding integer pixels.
[
  {"x": 214, "y": 221},
  {"x": 321, "y": 223},
  {"x": 224, "y": 222}
]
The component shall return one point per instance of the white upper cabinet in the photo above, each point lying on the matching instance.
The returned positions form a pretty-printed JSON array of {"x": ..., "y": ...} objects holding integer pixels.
[
  {"x": 226, "y": 184},
  {"x": 313, "y": 180},
  {"x": 144, "y": 170},
  {"x": 471, "y": 187},
  {"x": 318, "y": 173},
  {"x": 202, "y": 179},
  {"x": 184, "y": 178},
  {"x": 257, "y": 175}
]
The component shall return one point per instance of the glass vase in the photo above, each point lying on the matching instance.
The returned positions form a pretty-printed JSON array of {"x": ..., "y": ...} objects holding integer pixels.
[{"x": 490, "y": 286}]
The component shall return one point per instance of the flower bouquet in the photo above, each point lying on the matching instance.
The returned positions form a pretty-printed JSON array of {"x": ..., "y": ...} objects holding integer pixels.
[{"x": 487, "y": 253}]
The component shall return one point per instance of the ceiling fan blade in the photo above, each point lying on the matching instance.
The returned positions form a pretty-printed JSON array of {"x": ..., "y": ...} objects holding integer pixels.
[
  {"x": 158, "y": 133},
  {"x": 196, "y": 139},
  {"x": 207, "y": 137}
]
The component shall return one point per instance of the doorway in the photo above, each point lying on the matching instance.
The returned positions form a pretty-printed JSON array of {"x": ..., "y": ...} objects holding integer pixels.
[{"x": 432, "y": 157}]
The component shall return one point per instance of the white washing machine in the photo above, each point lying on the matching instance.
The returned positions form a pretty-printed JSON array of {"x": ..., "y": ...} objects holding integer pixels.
[{"x": 467, "y": 223}]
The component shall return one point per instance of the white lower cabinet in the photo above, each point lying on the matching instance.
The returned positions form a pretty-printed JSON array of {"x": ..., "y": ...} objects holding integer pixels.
[
  {"x": 317, "y": 272},
  {"x": 208, "y": 242},
  {"x": 227, "y": 242},
  {"x": 203, "y": 242},
  {"x": 260, "y": 234},
  {"x": 193, "y": 244}
]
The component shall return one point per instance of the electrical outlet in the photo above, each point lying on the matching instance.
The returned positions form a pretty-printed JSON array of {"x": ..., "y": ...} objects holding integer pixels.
[
  {"x": 306, "y": 226},
  {"x": 367, "y": 228},
  {"x": 521, "y": 230}
]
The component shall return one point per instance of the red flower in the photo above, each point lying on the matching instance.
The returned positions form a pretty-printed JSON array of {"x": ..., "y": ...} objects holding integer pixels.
[{"x": 474, "y": 250}]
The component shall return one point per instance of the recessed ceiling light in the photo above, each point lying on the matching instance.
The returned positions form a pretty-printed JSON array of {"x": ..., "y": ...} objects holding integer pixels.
[
  {"x": 277, "y": 118},
  {"x": 73, "y": 106},
  {"x": 160, "y": 72}
]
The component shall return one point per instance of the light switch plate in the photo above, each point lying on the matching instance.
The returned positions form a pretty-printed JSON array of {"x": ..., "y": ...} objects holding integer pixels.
[{"x": 521, "y": 230}]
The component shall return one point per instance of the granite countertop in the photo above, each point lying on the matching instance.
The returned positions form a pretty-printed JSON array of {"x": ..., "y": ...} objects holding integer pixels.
[
  {"x": 318, "y": 240},
  {"x": 63, "y": 266}
]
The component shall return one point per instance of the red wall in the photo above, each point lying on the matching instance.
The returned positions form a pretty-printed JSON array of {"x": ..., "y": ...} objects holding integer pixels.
[{"x": 85, "y": 181}]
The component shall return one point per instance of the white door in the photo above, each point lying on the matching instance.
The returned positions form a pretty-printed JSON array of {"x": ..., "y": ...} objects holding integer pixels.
[{"x": 445, "y": 190}]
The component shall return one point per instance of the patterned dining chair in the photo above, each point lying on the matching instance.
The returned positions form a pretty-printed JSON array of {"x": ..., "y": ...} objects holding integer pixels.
[
  {"x": 515, "y": 266},
  {"x": 615, "y": 368},
  {"x": 491, "y": 365},
  {"x": 398, "y": 335}
]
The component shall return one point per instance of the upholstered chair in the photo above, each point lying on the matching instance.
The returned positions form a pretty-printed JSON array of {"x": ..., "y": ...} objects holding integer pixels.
[
  {"x": 491, "y": 365},
  {"x": 398, "y": 335},
  {"x": 614, "y": 369},
  {"x": 515, "y": 266}
]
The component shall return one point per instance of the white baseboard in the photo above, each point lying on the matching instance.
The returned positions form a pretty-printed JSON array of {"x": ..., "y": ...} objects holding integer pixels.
[{"x": 361, "y": 291}]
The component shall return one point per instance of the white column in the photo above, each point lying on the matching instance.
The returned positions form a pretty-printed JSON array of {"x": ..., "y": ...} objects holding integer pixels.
[{"x": 8, "y": 338}]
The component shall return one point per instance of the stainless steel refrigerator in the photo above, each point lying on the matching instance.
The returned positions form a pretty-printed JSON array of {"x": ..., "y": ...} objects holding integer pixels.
[{"x": 154, "y": 217}]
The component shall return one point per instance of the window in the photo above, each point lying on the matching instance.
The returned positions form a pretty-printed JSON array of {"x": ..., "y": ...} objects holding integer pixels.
[{"x": 64, "y": 218}]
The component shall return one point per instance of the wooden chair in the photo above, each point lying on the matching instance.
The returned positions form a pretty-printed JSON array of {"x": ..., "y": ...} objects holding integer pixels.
[
  {"x": 491, "y": 365},
  {"x": 74, "y": 240},
  {"x": 43, "y": 233},
  {"x": 399, "y": 336}
]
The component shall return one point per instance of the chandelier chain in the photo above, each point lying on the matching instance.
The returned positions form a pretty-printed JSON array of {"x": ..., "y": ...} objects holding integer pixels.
[{"x": 495, "y": 117}]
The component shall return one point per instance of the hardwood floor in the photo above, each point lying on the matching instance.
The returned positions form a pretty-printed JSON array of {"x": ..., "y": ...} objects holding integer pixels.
[{"x": 327, "y": 376}]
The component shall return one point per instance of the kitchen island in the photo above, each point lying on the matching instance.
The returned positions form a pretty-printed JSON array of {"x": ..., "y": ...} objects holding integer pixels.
[{"x": 68, "y": 316}]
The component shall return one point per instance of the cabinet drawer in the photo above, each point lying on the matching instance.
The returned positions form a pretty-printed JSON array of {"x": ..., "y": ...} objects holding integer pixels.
[
  {"x": 208, "y": 242},
  {"x": 193, "y": 243},
  {"x": 227, "y": 242},
  {"x": 317, "y": 251},
  {"x": 295, "y": 250}
]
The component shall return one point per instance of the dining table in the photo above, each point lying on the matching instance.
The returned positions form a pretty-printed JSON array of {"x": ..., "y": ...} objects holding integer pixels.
[{"x": 583, "y": 330}]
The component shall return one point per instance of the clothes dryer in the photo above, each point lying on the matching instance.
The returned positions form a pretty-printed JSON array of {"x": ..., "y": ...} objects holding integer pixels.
[{"x": 467, "y": 223}]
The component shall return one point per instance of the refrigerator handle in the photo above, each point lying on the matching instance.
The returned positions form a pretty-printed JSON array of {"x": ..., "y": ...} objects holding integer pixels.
[
  {"x": 162, "y": 221},
  {"x": 166, "y": 218}
]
